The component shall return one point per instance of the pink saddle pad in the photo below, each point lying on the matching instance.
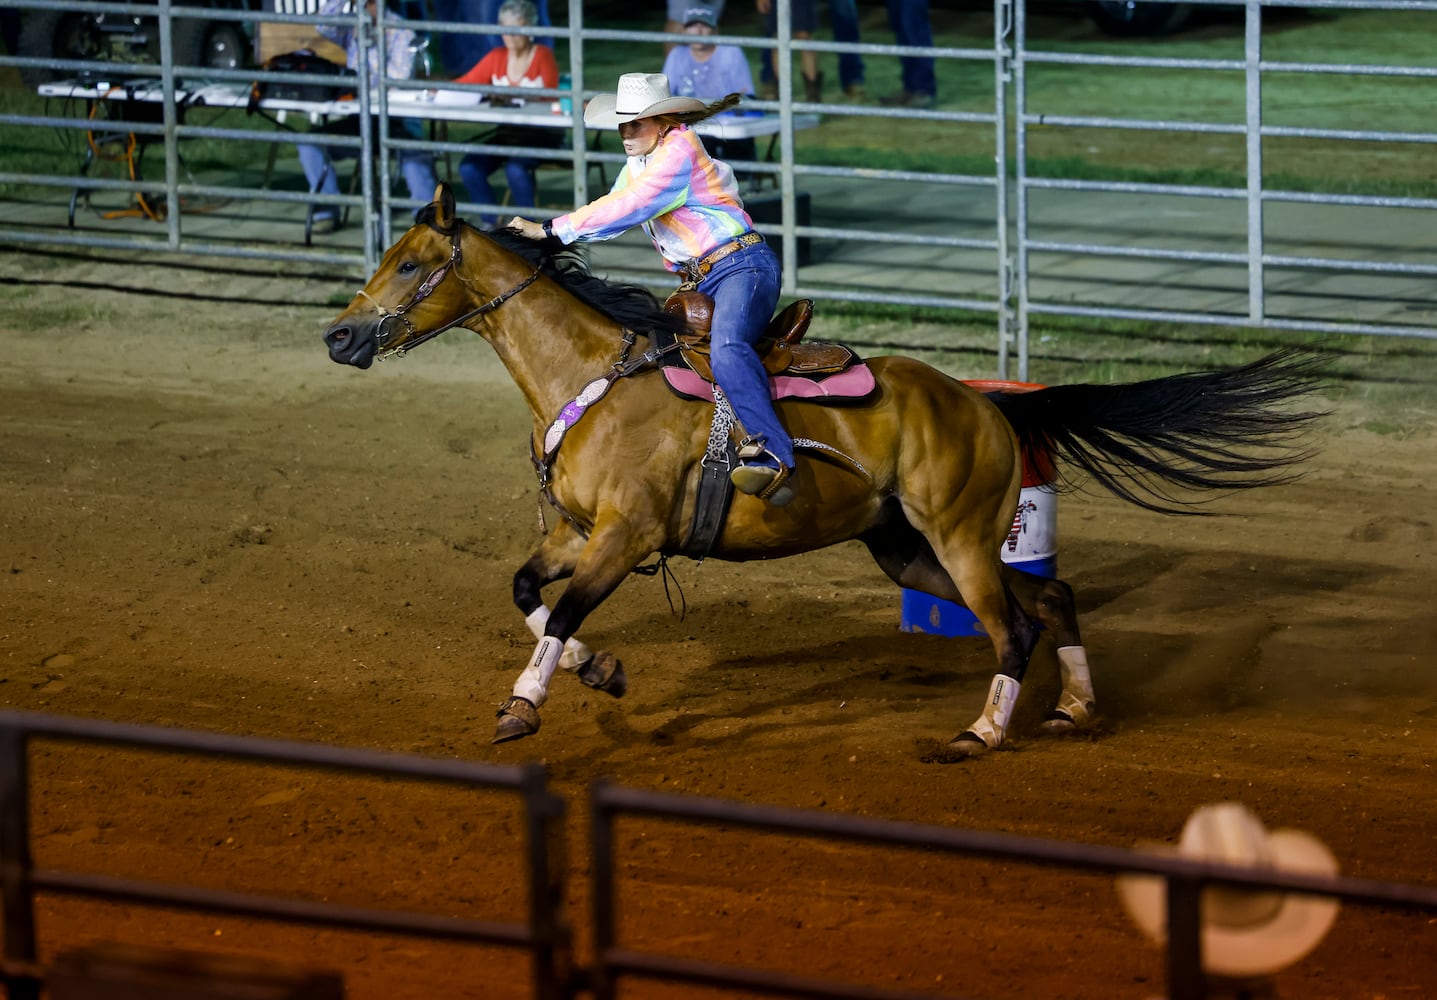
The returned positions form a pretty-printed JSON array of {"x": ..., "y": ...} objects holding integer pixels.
[{"x": 846, "y": 386}]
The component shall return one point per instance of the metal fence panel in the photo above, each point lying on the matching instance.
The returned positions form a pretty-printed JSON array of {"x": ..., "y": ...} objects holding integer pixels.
[{"x": 1008, "y": 285}]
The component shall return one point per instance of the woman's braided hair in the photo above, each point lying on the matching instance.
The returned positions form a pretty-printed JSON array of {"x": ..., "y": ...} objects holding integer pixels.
[{"x": 670, "y": 118}]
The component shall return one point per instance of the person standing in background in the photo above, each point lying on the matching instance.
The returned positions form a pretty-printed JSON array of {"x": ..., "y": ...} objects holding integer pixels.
[
  {"x": 844, "y": 15},
  {"x": 519, "y": 62},
  {"x": 804, "y": 20},
  {"x": 909, "y": 21},
  {"x": 317, "y": 161}
]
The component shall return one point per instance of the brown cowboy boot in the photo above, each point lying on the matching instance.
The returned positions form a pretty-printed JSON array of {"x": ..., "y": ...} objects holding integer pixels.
[{"x": 813, "y": 89}]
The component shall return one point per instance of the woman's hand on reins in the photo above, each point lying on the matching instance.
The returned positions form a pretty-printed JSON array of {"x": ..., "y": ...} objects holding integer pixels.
[{"x": 524, "y": 227}]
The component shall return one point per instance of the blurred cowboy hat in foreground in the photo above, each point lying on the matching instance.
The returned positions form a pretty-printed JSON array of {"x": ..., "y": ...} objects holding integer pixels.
[{"x": 1245, "y": 933}]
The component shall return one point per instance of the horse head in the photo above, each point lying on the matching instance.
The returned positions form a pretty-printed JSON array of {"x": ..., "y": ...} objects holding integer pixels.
[{"x": 407, "y": 300}]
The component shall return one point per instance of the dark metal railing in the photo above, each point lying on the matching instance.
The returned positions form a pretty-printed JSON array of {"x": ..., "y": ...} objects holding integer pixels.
[
  {"x": 1184, "y": 878},
  {"x": 543, "y": 933}
]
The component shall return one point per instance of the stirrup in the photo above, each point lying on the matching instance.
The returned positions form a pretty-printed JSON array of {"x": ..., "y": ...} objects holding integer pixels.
[{"x": 762, "y": 481}]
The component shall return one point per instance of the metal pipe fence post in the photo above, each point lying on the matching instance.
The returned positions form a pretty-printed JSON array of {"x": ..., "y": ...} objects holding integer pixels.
[
  {"x": 1002, "y": 78},
  {"x": 171, "y": 119},
  {"x": 1184, "y": 949},
  {"x": 578, "y": 138},
  {"x": 602, "y": 903},
  {"x": 366, "y": 142},
  {"x": 552, "y": 959},
  {"x": 1020, "y": 184},
  {"x": 783, "y": 70},
  {"x": 16, "y": 866},
  {"x": 1253, "y": 56},
  {"x": 374, "y": 100}
]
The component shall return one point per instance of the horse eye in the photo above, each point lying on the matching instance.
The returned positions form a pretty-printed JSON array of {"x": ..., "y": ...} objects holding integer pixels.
[{"x": 408, "y": 267}]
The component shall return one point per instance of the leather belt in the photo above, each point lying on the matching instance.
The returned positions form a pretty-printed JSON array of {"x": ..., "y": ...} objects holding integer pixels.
[{"x": 696, "y": 270}]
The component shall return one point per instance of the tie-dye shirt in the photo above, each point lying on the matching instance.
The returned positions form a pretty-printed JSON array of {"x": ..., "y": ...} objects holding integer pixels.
[{"x": 686, "y": 201}]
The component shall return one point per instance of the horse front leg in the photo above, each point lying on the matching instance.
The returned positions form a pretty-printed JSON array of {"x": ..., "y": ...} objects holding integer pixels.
[
  {"x": 611, "y": 552},
  {"x": 555, "y": 560}
]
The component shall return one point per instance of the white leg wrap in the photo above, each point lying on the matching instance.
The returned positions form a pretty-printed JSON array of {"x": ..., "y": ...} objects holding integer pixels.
[
  {"x": 993, "y": 723},
  {"x": 1077, "y": 699},
  {"x": 533, "y": 683},
  {"x": 575, "y": 655}
]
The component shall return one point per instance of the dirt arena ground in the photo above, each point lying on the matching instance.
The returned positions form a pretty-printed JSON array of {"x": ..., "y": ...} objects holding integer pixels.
[{"x": 207, "y": 524}]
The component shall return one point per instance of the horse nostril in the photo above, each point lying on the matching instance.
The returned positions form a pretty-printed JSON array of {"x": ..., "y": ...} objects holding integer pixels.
[{"x": 337, "y": 336}]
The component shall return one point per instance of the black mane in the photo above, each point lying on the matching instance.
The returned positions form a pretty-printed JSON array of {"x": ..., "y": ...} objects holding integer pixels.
[{"x": 633, "y": 307}]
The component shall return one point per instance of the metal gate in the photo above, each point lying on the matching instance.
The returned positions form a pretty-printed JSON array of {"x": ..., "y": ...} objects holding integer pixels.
[{"x": 1014, "y": 253}]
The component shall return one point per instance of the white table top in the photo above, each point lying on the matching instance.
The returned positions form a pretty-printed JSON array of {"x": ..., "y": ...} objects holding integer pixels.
[{"x": 437, "y": 104}]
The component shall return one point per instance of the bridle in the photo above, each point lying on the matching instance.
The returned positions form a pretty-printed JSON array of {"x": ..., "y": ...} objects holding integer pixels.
[{"x": 423, "y": 292}]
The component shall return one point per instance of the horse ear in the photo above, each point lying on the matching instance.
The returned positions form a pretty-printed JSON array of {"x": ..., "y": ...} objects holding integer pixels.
[{"x": 444, "y": 207}]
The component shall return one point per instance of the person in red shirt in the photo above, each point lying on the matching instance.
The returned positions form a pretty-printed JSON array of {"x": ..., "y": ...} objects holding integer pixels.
[{"x": 519, "y": 62}]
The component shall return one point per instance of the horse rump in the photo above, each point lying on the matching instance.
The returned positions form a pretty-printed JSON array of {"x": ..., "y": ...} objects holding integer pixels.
[{"x": 1160, "y": 442}]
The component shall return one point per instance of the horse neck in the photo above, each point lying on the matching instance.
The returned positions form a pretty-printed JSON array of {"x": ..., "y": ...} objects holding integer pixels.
[{"x": 551, "y": 343}]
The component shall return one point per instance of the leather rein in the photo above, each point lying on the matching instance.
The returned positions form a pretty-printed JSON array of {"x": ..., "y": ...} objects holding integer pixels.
[{"x": 456, "y": 257}]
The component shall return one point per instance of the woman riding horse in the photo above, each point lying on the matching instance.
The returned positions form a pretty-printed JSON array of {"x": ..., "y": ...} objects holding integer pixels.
[{"x": 689, "y": 205}]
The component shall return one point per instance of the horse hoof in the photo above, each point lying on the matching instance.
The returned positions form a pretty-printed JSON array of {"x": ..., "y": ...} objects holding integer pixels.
[
  {"x": 1070, "y": 715},
  {"x": 1058, "y": 724},
  {"x": 967, "y": 744},
  {"x": 604, "y": 672},
  {"x": 964, "y": 746},
  {"x": 517, "y": 718}
]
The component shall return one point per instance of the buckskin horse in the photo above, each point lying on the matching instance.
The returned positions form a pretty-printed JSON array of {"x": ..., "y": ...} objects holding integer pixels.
[{"x": 925, "y": 470}]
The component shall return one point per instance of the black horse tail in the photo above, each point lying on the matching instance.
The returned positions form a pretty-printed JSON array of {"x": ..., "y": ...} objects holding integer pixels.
[{"x": 1197, "y": 432}]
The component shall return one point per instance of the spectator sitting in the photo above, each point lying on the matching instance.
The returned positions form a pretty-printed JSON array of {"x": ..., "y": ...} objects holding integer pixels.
[
  {"x": 710, "y": 72},
  {"x": 417, "y": 167},
  {"x": 519, "y": 62},
  {"x": 467, "y": 49}
]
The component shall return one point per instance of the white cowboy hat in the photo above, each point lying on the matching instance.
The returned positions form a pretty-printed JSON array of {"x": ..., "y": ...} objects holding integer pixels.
[
  {"x": 1244, "y": 933},
  {"x": 640, "y": 95}
]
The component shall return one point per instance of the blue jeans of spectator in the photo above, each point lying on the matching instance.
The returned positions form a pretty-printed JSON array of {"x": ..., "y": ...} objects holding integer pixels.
[
  {"x": 844, "y": 15},
  {"x": 744, "y": 287},
  {"x": 317, "y": 161},
  {"x": 474, "y": 171},
  {"x": 909, "y": 21},
  {"x": 461, "y": 52}
]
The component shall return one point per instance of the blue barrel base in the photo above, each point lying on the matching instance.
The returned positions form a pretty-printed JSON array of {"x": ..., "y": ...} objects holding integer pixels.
[{"x": 925, "y": 613}]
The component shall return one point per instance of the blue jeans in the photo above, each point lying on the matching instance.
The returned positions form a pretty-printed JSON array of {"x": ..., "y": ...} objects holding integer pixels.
[
  {"x": 461, "y": 52},
  {"x": 417, "y": 167},
  {"x": 475, "y": 169},
  {"x": 844, "y": 14},
  {"x": 744, "y": 287},
  {"x": 909, "y": 21}
]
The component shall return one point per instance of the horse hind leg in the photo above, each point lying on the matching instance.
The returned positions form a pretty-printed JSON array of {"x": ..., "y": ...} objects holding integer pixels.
[
  {"x": 908, "y": 558},
  {"x": 1014, "y": 636},
  {"x": 1051, "y": 601}
]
